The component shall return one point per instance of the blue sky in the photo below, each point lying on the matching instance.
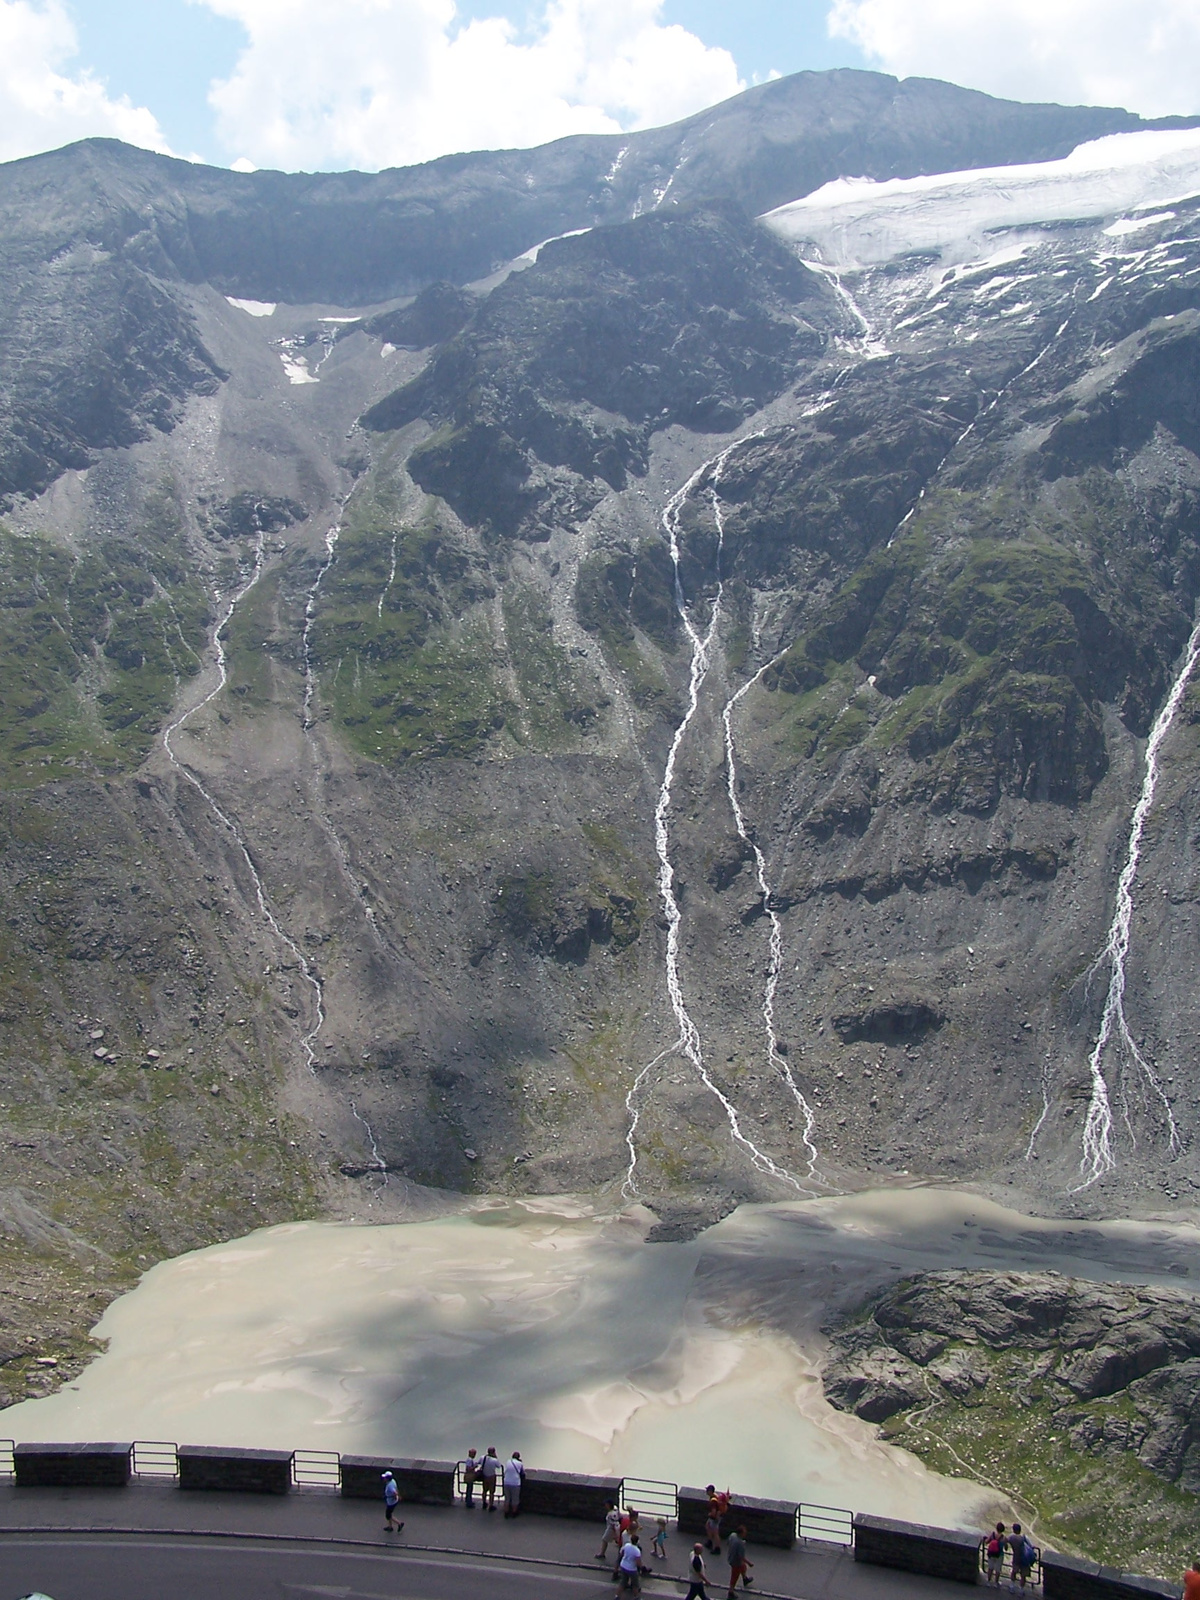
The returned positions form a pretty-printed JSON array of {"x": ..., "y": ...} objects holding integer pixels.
[
  {"x": 327, "y": 84},
  {"x": 163, "y": 54}
]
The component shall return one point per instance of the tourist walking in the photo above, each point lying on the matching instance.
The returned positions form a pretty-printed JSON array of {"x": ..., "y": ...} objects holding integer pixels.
[
  {"x": 612, "y": 1531},
  {"x": 514, "y": 1477},
  {"x": 391, "y": 1498},
  {"x": 697, "y": 1574},
  {"x": 629, "y": 1569},
  {"x": 470, "y": 1472},
  {"x": 489, "y": 1471},
  {"x": 1191, "y": 1581},
  {"x": 997, "y": 1544},
  {"x": 739, "y": 1563},
  {"x": 717, "y": 1506},
  {"x": 1022, "y": 1556},
  {"x": 658, "y": 1546}
]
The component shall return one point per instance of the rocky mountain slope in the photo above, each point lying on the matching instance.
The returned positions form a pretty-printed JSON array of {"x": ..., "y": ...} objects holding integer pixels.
[
  {"x": 1079, "y": 1399},
  {"x": 653, "y": 717}
]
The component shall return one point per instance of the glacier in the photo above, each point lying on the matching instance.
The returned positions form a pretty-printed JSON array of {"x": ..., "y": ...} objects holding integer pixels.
[{"x": 858, "y": 222}]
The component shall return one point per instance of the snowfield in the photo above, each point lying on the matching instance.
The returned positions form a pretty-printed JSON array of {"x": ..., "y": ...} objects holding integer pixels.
[{"x": 858, "y": 222}]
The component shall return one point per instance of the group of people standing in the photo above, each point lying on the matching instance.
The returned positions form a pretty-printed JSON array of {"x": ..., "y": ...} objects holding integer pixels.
[
  {"x": 622, "y": 1529},
  {"x": 488, "y": 1471},
  {"x": 1018, "y": 1546},
  {"x": 622, "y": 1532}
]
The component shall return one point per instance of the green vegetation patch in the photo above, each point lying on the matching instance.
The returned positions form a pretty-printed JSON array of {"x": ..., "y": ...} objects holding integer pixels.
[
  {"x": 621, "y": 593},
  {"x": 1015, "y": 1437},
  {"x": 557, "y": 707},
  {"x": 406, "y": 668},
  {"x": 996, "y": 638},
  {"x": 93, "y": 647}
]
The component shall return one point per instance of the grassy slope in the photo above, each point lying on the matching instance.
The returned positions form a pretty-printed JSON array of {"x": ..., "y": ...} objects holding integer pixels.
[{"x": 1013, "y": 1436}]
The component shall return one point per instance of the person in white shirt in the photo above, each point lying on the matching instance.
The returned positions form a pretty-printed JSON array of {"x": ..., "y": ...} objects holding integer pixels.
[
  {"x": 514, "y": 1476},
  {"x": 629, "y": 1570},
  {"x": 612, "y": 1530}
]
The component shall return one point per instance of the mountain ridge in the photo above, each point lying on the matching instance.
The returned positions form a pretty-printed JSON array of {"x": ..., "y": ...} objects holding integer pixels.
[{"x": 674, "y": 735}]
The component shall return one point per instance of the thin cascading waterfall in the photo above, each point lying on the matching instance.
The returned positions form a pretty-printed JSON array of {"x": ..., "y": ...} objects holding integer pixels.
[
  {"x": 689, "y": 1042},
  {"x": 868, "y": 342},
  {"x": 1098, "y": 1157},
  {"x": 310, "y": 976},
  {"x": 777, "y": 1060},
  {"x": 310, "y": 615},
  {"x": 308, "y": 722},
  {"x": 391, "y": 580},
  {"x": 633, "y": 1112},
  {"x": 976, "y": 420},
  {"x": 377, "y": 1160}
]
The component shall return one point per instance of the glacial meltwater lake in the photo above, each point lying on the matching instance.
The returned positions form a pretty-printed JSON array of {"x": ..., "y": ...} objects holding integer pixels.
[{"x": 544, "y": 1326}]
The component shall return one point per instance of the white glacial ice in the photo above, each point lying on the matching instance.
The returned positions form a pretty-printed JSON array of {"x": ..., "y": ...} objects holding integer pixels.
[
  {"x": 253, "y": 308},
  {"x": 857, "y": 221}
]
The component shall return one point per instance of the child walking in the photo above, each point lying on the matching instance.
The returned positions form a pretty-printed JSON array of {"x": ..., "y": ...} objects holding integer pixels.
[{"x": 658, "y": 1544}]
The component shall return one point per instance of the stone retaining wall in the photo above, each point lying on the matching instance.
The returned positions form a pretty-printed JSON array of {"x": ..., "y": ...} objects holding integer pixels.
[
  {"x": 568, "y": 1494},
  {"x": 203, "y": 1466},
  {"x": 765, "y": 1521},
  {"x": 71, "y": 1466},
  {"x": 1067, "y": 1578},
  {"x": 429, "y": 1483},
  {"x": 910, "y": 1547}
]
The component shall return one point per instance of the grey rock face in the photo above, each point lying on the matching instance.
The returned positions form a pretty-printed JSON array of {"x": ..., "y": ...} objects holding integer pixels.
[
  {"x": 941, "y": 1331},
  {"x": 955, "y": 564}
]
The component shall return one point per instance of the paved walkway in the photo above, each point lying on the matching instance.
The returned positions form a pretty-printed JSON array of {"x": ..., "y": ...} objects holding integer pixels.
[{"x": 151, "y": 1541}]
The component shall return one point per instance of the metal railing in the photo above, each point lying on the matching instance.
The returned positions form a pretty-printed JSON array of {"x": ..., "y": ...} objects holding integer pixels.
[
  {"x": 653, "y": 1497},
  {"x": 153, "y": 1458},
  {"x": 826, "y": 1524},
  {"x": 650, "y": 1495},
  {"x": 316, "y": 1469},
  {"x": 460, "y": 1479},
  {"x": 1035, "y": 1573}
]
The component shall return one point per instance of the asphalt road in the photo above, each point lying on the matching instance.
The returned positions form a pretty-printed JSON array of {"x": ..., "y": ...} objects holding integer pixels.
[{"x": 85, "y": 1567}]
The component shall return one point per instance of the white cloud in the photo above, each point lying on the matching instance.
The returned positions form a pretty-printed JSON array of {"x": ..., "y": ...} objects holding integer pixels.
[
  {"x": 373, "y": 83},
  {"x": 43, "y": 104},
  {"x": 1141, "y": 54}
]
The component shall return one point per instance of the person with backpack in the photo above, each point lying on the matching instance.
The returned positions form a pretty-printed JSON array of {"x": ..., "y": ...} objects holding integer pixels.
[
  {"x": 994, "y": 1547},
  {"x": 391, "y": 1498},
  {"x": 612, "y": 1531},
  {"x": 697, "y": 1574},
  {"x": 1022, "y": 1556},
  {"x": 739, "y": 1564},
  {"x": 718, "y": 1505},
  {"x": 489, "y": 1471},
  {"x": 514, "y": 1477},
  {"x": 470, "y": 1472}
]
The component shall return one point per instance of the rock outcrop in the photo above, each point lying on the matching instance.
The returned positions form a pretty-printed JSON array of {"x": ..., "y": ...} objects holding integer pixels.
[{"x": 1058, "y": 1385}]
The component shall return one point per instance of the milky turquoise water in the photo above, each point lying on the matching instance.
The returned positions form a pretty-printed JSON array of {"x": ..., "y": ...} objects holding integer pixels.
[{"x": 544, "y": 1327}]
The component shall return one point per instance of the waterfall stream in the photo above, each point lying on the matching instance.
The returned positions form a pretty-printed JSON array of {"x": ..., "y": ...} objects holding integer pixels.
[
  {"x": 307, "y": 971},
  {"x": 777, "y": 1060},
  {"x": 689, "y": 1042},
  {"x": 1097, "y": 1157}
]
